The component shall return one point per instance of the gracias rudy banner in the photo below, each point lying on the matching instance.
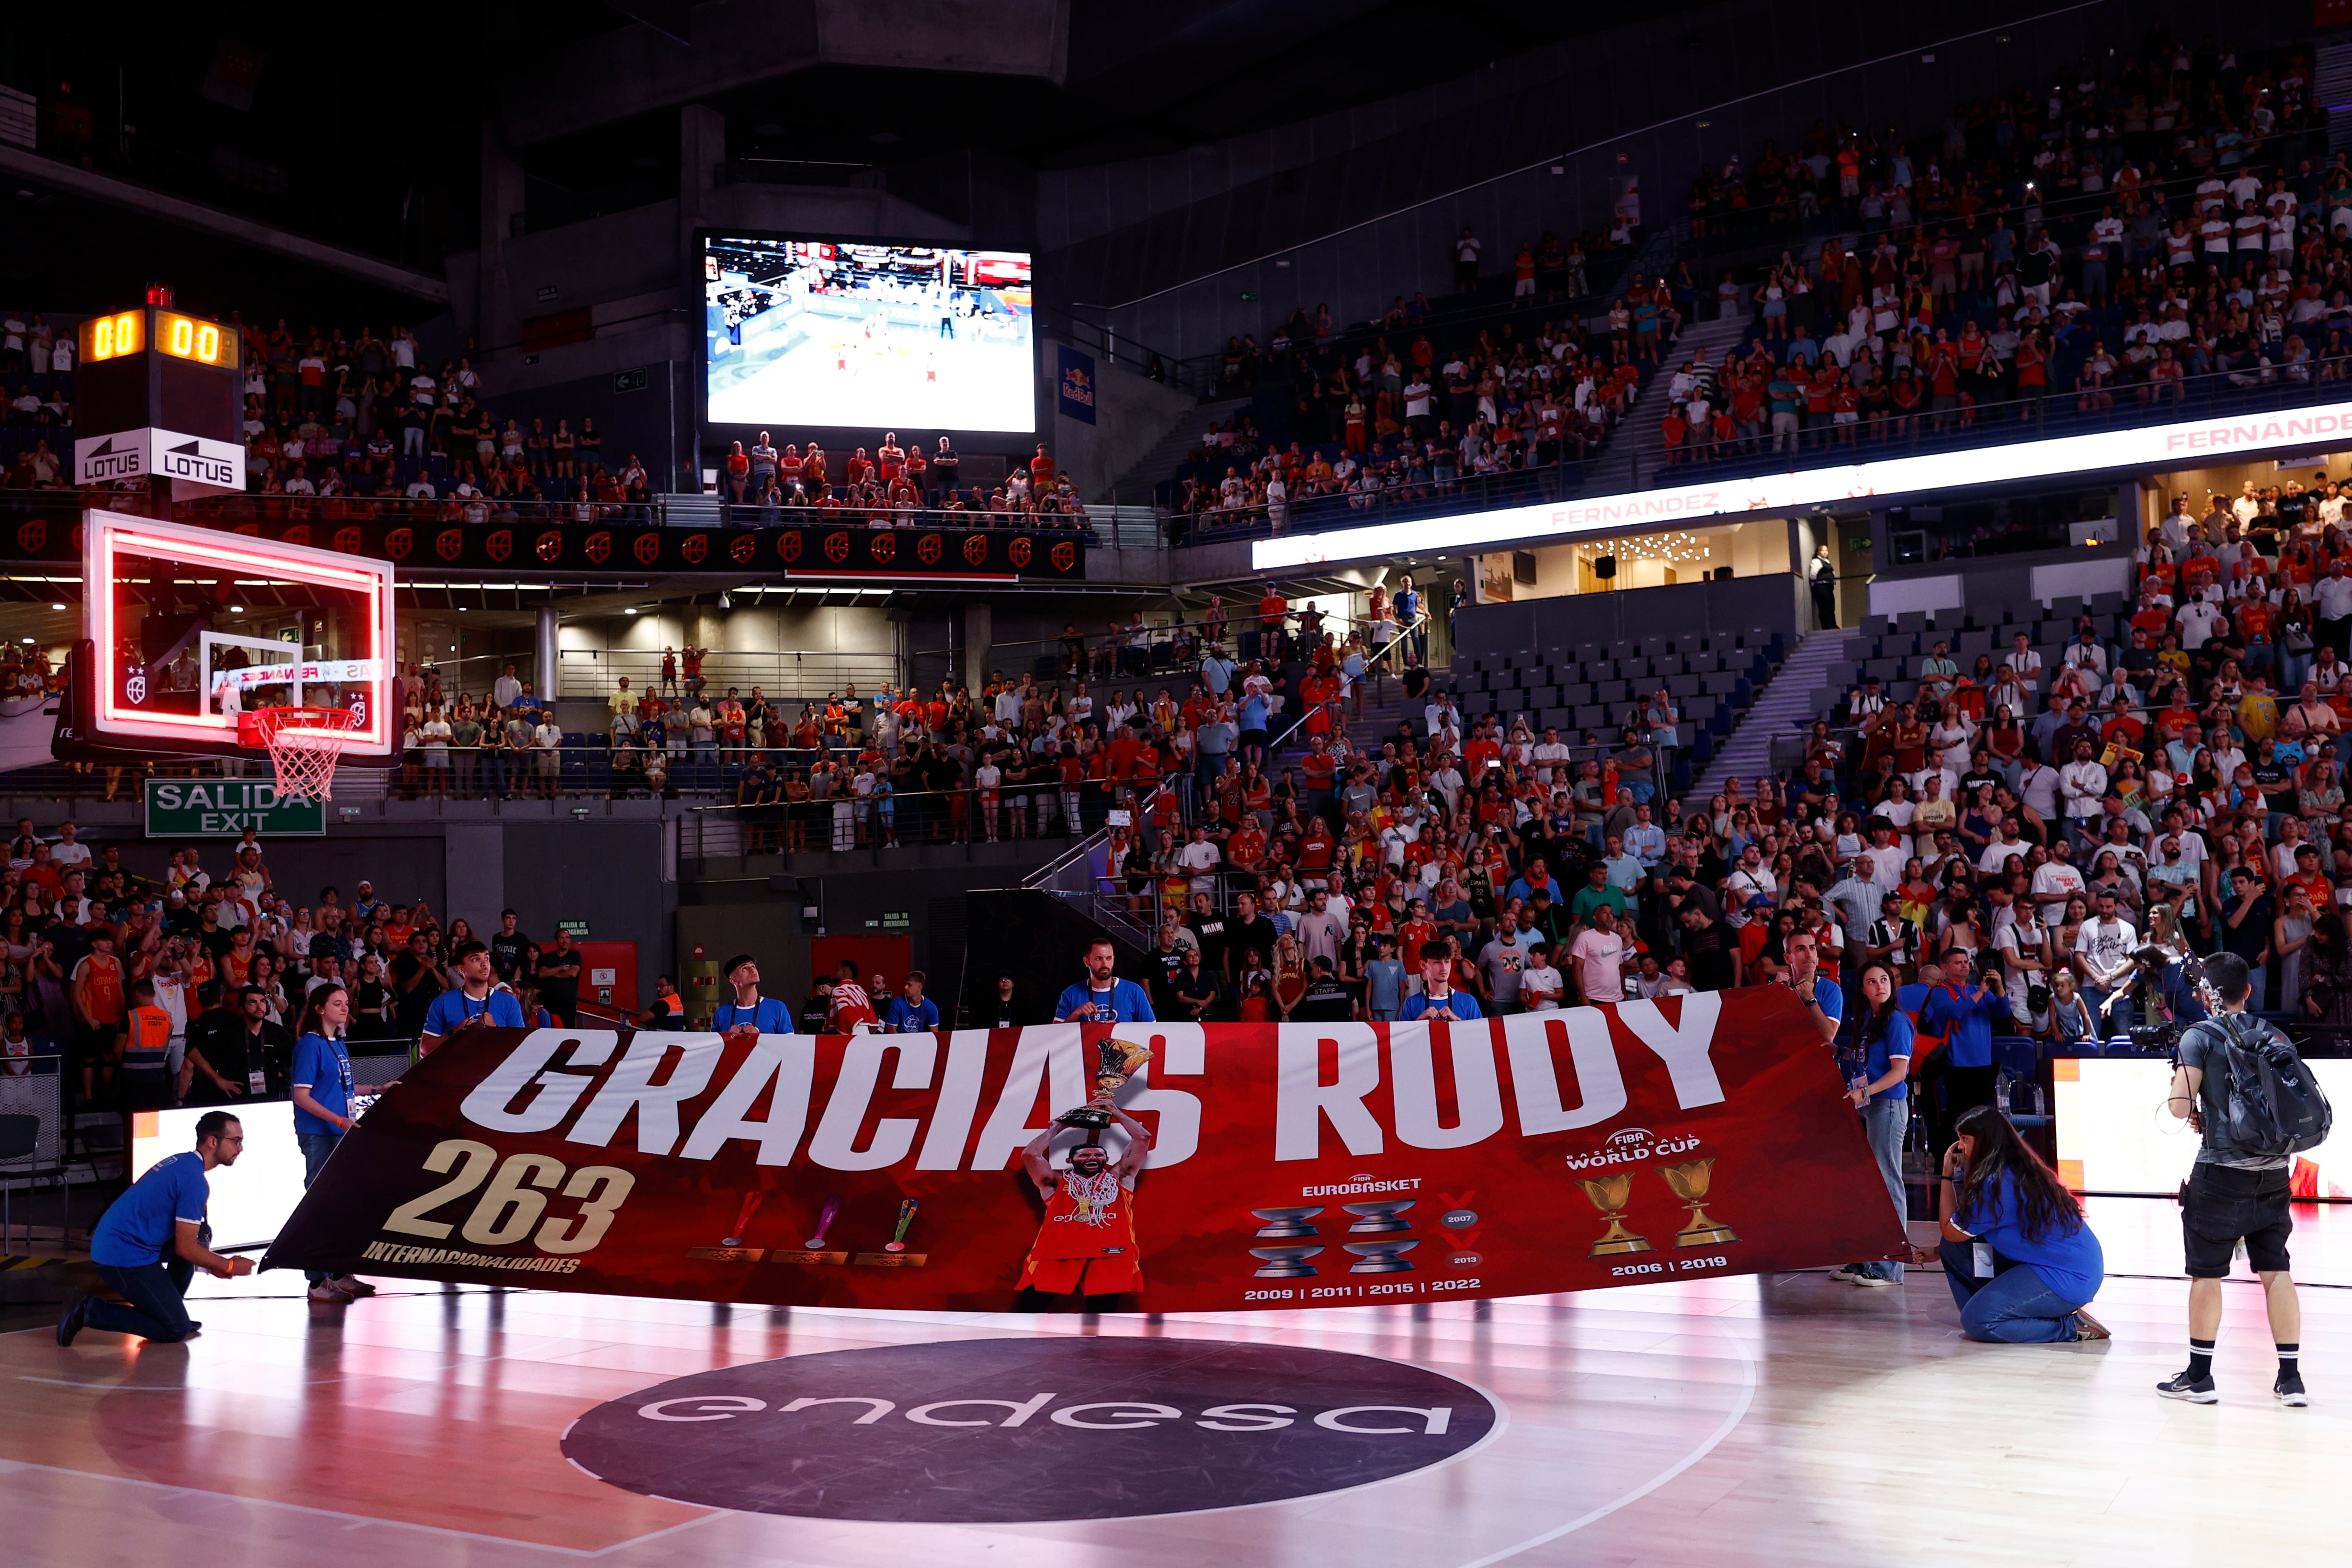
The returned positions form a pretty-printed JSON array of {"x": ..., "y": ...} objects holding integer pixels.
[{"x": 1290, "y": 1165}]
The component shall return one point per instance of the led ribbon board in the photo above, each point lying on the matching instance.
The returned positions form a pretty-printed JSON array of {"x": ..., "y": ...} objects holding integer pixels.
[{"x": 2152, "y": 447}]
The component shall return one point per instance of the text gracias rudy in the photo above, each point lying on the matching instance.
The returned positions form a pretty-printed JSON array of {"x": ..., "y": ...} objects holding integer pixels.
[{"x": 539, "y": 1087}]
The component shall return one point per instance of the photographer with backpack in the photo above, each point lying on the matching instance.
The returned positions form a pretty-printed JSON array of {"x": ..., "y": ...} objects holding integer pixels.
[{"x": 2239, "y": 1083}]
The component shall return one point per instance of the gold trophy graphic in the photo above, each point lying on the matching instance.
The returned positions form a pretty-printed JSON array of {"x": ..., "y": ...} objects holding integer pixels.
[
  {"x": 1690, "y": 1181},
  {"x": 1116, "y": 1061},
  {"x": 1610, "y": 1194}
]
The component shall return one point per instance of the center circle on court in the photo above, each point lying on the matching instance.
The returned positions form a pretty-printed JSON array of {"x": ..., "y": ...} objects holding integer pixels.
[{"x": 1026, "y": 1430}]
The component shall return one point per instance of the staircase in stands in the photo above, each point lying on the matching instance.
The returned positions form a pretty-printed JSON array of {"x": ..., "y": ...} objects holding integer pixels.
[
  {"x": 1786, "y": 701},
  {"x": 1138, "y": 485},
  {"x": 1634, "y": 452}
]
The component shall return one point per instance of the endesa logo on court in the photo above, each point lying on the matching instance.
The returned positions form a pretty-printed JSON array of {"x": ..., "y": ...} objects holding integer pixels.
[{"x": 1290, "y": 1165}]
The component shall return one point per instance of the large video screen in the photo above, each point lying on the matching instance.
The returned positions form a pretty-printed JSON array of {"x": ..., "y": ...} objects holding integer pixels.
[{"x": 805, "y": 333}]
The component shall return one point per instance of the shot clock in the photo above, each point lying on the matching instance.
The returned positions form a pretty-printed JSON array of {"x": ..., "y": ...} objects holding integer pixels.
[
  {"x": 127, "y": 332},
  {"x": 162, "y": 391}
]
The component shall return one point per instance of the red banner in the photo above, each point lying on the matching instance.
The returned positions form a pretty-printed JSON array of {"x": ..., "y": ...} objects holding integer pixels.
[{"x": 1290, "y": 1165}]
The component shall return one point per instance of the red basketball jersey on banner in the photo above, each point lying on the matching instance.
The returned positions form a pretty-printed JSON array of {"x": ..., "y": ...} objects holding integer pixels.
[{"x": 1088, "y": 1216}]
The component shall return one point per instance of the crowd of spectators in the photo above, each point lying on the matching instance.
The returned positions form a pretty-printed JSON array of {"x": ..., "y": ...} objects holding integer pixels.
[
  {"x": 1029, "y": 755},
  {"x": 1432, "y": 397},
  {"x": 2186, "y": 765},
  {"x": 27, "y": 672},
  {"x": 331, "y": 413},
  {"x": 36, "y": 371},
  {"x": 1403, "y": 424},
  {"x": 2164, "y": 221},
  {"x": 229, "y": 956},
  {"x": 2038, "y": 844}
]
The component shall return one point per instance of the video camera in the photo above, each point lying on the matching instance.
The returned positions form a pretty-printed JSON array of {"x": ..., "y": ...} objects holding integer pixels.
[{"x": 2165, "y": 1038}]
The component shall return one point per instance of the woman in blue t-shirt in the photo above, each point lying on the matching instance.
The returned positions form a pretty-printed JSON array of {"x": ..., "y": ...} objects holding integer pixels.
[
  {"x": 323, "y": 1111},
  {"x": 2020, "y": 1258},
  {"x": 1878, "y": 1083}
]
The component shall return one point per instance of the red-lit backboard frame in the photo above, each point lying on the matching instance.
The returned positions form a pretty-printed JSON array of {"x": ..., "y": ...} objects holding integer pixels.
[{"x": 107, "y": 536}]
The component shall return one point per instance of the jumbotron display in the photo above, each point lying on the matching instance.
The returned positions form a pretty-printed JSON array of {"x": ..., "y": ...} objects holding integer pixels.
[{"x": 804, "y": 333}]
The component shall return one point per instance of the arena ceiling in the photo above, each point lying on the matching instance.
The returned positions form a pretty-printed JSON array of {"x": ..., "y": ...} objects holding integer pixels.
[{"x": 363, "y": 126}]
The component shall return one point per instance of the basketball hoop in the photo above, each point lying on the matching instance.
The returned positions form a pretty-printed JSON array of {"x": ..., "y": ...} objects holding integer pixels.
[{"x": 303, "y": 743}]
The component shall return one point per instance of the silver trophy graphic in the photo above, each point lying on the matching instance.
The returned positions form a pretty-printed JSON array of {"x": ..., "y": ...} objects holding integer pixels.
[
  {"x": 1378, "y": 1218},
  {"x": 1283, "y": 1224},
  {"x": 1379, "y": 1256},
  {"x": 1283, "y": 1262}
]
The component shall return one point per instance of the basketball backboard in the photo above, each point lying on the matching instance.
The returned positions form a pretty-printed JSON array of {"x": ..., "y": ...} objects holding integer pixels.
[{"x": 186, "y": 627}]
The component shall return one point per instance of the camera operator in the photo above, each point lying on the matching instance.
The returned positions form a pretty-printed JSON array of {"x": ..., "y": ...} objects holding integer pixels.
[
  {"x": 2233, "y": 1193},
  {"x": 1964, "y": 1012}
]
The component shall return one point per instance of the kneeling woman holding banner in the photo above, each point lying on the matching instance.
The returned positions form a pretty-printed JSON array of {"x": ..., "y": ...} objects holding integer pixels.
[{"x": 2020, "y": 1258}]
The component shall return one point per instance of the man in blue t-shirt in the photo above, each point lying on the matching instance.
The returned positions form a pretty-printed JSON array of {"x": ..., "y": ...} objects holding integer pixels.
[
  {"x": 1437, "y": 997},
  {"x": 1102, "y": 997},
  {"x": 1824, "y": 1000},
  {"x": 1965, "y": 1015},
  {"x": 749, "y": 1010},
  {"x": 911, "y": 1012},
  {"x": 477, "y": 999},
  {"x": 150, "y": 1243}
]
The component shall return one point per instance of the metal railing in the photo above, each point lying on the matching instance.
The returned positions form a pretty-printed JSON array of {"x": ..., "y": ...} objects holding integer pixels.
[
  {"x": 836, "y": 512},
  {"x": 1169, "y": 648},
  {"x": 965, "y": 818},
  {"x": 787, "y": 674},
  {"x": 481, "y": 511},
  {"x": 1429, "y": 497}
]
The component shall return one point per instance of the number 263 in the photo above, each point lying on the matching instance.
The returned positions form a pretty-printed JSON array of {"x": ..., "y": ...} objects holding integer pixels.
[{"x": 515, "y": 1200}]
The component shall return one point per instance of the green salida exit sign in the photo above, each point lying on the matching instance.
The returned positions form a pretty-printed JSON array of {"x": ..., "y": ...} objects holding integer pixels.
[{"x": 224, "y": 808}]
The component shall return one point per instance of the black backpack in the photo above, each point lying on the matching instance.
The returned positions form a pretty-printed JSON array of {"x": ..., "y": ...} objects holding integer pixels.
[{"x": 2272, "y": 1104}]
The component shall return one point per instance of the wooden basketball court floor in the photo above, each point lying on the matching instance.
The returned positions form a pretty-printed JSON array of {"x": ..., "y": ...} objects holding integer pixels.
[{"x": 1779, "y": 1419}]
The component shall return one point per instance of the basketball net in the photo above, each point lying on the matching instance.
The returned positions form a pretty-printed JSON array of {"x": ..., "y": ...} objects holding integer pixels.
[{"x": 304, "y": 743}]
